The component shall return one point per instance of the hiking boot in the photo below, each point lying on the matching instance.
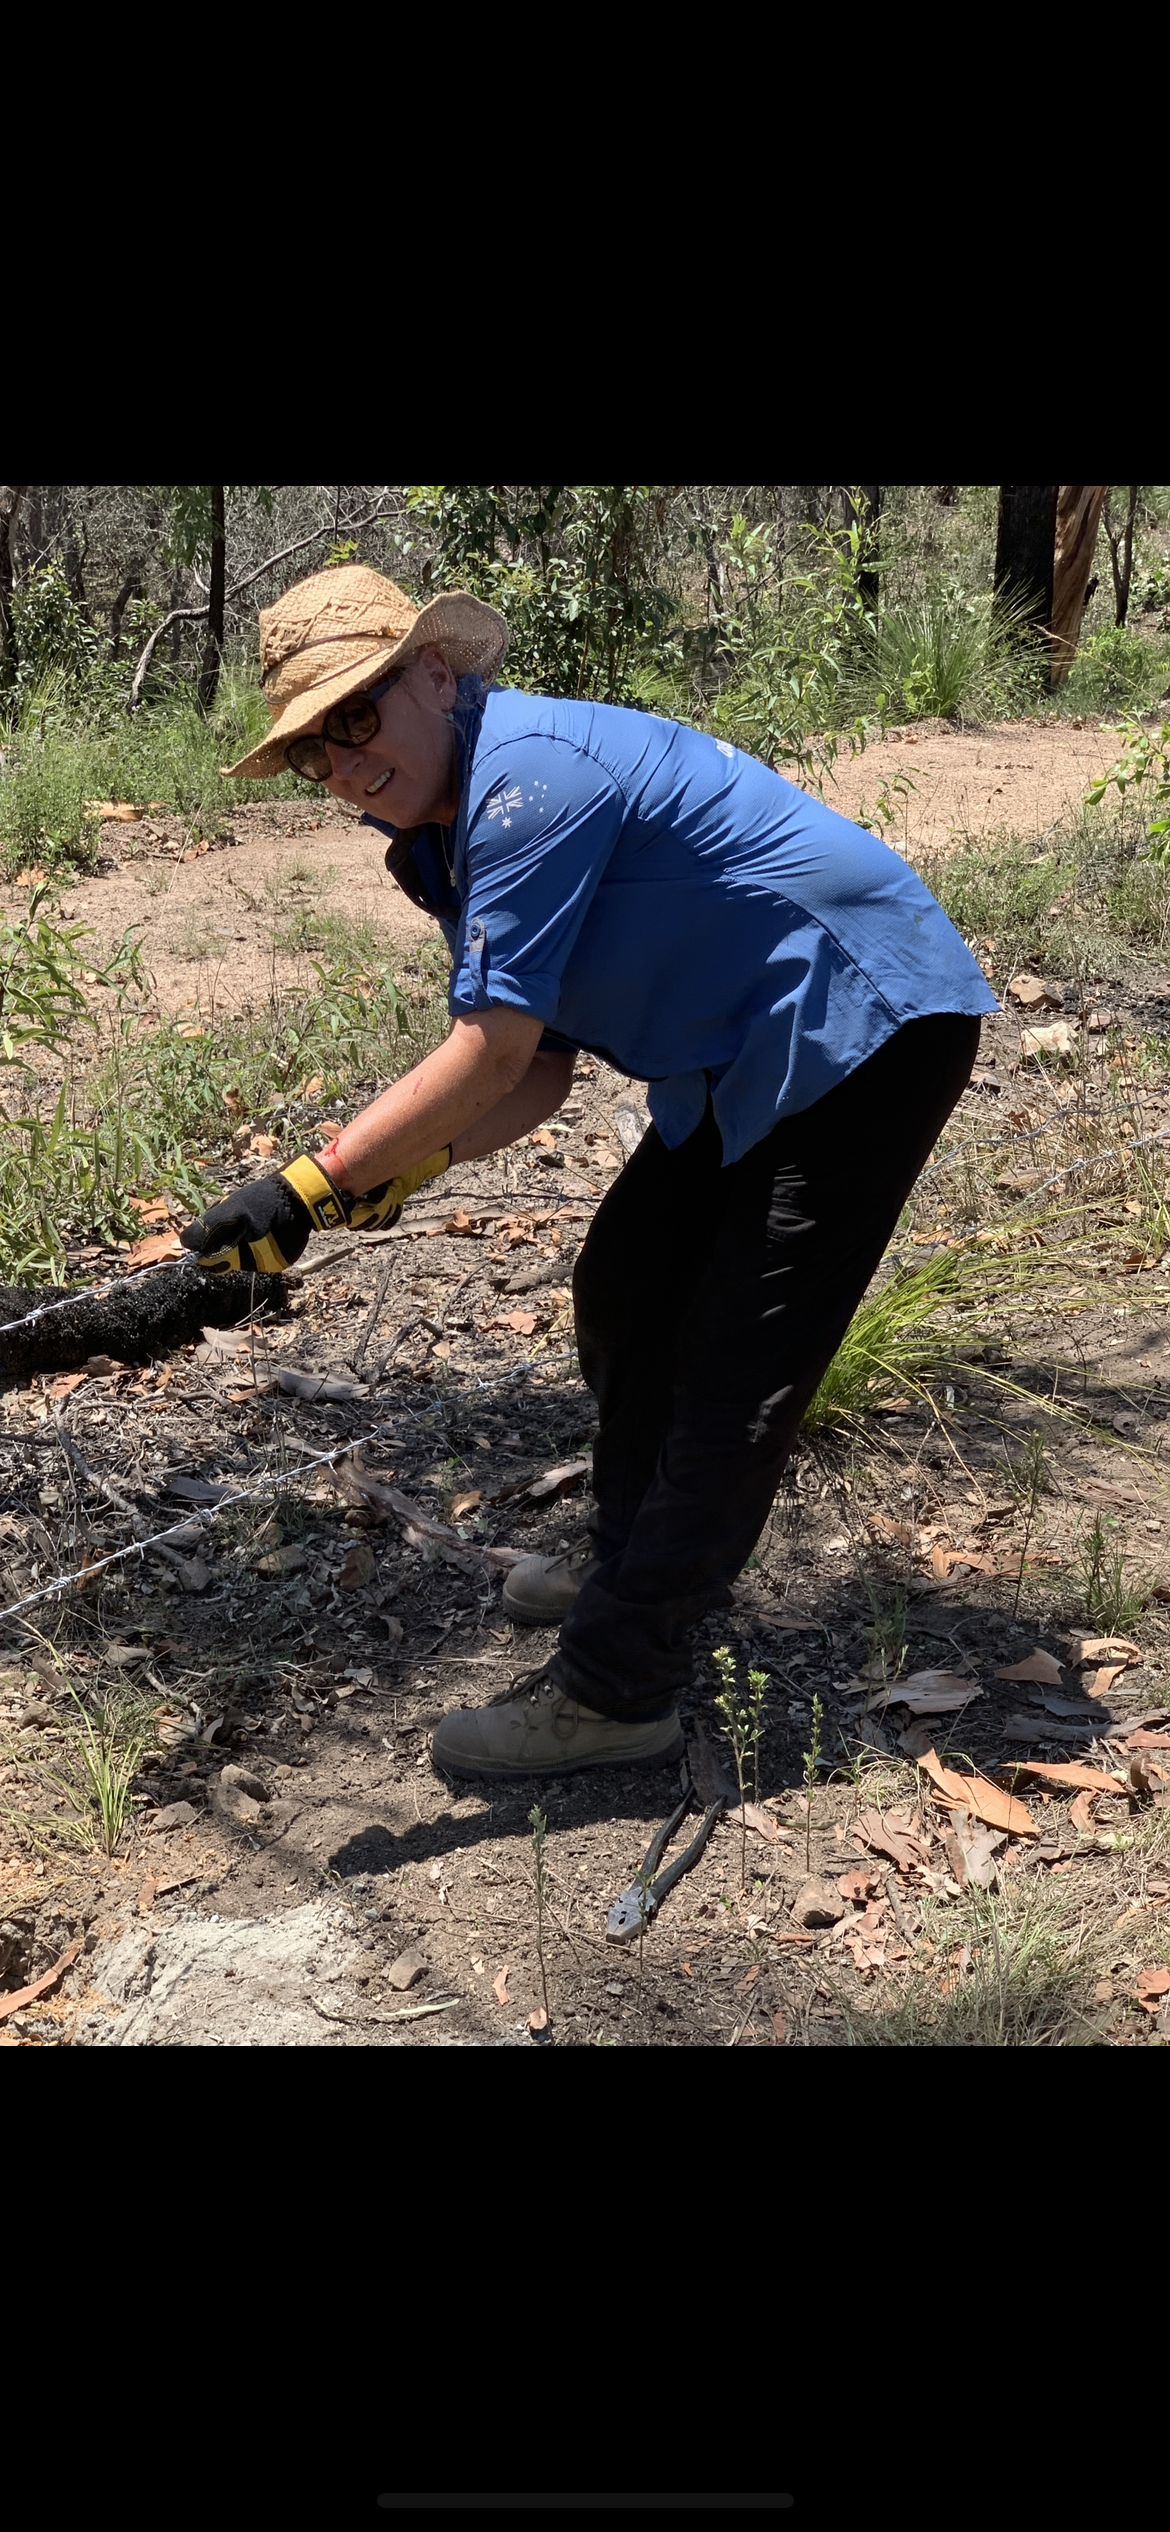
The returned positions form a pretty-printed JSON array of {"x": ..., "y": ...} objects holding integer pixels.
[
  {"x": 540, "y": 1590},
  {"x": 538, "y": 1730}
]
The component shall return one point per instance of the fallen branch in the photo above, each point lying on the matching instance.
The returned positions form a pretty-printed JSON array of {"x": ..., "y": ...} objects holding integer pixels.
[
  {"x": 101, "y": 1485},
  {"x": 365, "y": 1488},
  {"x": 137, "y": 1319},
  {"x": 40, "y": 1986}
]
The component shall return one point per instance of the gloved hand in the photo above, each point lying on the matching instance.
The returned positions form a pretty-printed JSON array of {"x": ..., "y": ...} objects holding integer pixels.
[{"x": 263, "y": 1226}]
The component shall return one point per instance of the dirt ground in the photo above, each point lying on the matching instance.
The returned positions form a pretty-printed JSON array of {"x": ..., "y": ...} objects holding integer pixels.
[
  {"x": 291, "y": 1844},
  {"x": 941, "y": 783},
  {"x": 207, "y": 915}
]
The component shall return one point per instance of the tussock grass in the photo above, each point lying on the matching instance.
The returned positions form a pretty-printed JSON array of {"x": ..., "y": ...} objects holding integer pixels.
[{"x": 1009, "y": 1973}]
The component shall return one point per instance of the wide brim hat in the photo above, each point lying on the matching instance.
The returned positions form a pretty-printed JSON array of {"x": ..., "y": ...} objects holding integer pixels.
[{"x": 331, "y": 635}]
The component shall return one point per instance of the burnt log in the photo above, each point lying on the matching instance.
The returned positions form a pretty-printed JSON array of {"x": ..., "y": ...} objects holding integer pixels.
[{"x": 141, "y": 1318}]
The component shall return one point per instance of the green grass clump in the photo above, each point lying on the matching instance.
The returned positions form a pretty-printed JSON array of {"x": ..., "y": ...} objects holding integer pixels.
[
  {"x": 918, "y": 1325},
  {"x": 1117, "y": 670},
  {"x": 1093, "y": 885},
  {"x": 945, "y": 655},
  {"x": 1008, "y": 1975},
  {"x": 67, "y": 748},
  {"x": 153, "y": 1106}
]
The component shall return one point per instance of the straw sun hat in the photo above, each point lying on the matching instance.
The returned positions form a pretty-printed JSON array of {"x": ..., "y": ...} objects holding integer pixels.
[{"x": 342, "y": 630}]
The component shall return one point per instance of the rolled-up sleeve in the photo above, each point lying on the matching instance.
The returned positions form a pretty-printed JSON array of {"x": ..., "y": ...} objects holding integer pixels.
[{"x": 544, "y": 819}]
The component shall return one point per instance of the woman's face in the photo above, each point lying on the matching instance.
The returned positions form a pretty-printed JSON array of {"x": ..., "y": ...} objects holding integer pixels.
[{"x": 407, "y": 773}]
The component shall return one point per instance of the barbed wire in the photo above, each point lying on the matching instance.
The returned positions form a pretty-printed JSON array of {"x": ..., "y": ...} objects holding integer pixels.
[{"x": 197, "y": 1521}]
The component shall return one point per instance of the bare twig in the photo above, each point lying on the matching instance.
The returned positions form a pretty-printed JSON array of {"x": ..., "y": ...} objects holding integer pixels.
[
  {"x": 374, "y": 1314},
  {"x": 102, "y": 1485},
  {"x": 189, "y": 615}
]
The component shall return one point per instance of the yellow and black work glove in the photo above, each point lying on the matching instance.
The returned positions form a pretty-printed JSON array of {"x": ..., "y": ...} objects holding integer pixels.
[{"x": 263, "y": 1226}]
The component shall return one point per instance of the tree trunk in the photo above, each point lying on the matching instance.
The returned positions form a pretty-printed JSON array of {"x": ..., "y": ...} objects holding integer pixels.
[
  {"x": 1078, "y": 516},
  {"x": 10, "y": 499},
  {"x": 868, "y": 512},
  {"x": 131, "y": 588},
  {"x": 74, "y": 555},
  {"x": 1121, "y": 551},
  {"x": 213, "y": 653},
  {"x": 1025, "y": 546}
]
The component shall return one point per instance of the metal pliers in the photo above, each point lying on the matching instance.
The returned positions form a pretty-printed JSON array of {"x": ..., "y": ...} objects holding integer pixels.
[{"x": 637, "y": 1906}]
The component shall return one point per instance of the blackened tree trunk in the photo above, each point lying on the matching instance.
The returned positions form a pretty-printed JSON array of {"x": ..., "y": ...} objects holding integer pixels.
[
  {"x": 1025, "y": 546},
  {"x": 213, "y": 652},
  {"x": 10, "y": 499},
  {"x": 868, "y": 511},
  {"x": 132, "y": 587}
]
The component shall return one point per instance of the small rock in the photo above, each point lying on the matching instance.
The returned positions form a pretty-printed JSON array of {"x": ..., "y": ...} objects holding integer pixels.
[
  {"x": 193, "y": 1573},
  {"x": 1032, "y": 994},
  {"x": 34, "y": 1712},
  {"x": 283, "y": 1560},
  {"x": 17, "y": 1935},
  {"x": 239, "y": 1807},
  {"x": 243, "y": 1780},
  {"x": 177, "y": 1815},
  {"x": 406, "y": 1970},
  {"x": 1057, "y": 1040},
  {"x": 240, "y": 1795},
  {"x": 359, "y": 1569},
  {"x": 818, "y": 1904}
]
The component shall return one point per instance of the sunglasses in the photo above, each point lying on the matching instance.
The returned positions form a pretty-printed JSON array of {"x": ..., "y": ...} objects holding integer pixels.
[{"x": 349, "y": 724}]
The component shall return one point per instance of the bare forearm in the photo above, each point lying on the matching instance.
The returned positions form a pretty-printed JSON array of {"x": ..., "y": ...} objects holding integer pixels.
[
  {"x": 478, "y": 1068},
  {"x": 546, "y": 1083}
]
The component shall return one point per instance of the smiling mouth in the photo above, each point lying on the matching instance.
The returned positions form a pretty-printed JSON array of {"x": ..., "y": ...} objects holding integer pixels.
[{"x": 372, "y": 787}]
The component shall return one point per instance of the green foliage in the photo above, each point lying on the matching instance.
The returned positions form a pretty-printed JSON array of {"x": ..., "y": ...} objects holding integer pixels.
[
  {"x": 812, "y": 1761},
  {"x": 1116, "y": 670},
  {"x": 571, "y": 567},
  {"x": 90, "y": 1775},
  {"x": 109, "y": 1747},
  {"x": 783, "y": 653},
  {"x": 1021, "y": 1984},
  {"x": 1144, "y": 760},
  {"x": 947, "y": 655},
  {"x": 1113, "y": 1595},
  {"x": 157, "y": 1102},
  {"x": 1065, "y": 908},
  {"x": 41, "y": 998},
  {"x": 63, "y": 750},
  {"x": 188, "y": 511},
  {"x": 912, "y": 1328},
  {"x": 1030, "y": 1481},
  {"x": 53, "y": 638}
]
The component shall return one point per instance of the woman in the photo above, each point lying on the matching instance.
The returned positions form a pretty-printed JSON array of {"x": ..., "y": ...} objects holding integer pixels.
[{"x": 805, "y": 1017}]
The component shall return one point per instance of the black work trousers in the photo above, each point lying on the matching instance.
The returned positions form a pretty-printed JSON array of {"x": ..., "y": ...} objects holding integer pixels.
[{"x": 708, "y": 1303}]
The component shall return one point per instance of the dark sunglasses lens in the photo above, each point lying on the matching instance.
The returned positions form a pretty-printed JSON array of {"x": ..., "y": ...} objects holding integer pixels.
[
  {"x": 307, "y": 757},
  {"x": 351, "y": 724}
]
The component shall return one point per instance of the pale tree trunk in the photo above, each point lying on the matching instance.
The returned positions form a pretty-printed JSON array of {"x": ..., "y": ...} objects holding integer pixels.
[
  {"x": 1078, "y": 517},
  {"x": 213, "y": 652}
]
